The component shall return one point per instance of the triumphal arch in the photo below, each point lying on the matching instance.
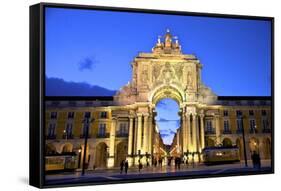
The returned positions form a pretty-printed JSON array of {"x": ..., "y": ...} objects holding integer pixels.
[
  {"x": 166, "y": 73},
  {"x": 124, "y": 125}
]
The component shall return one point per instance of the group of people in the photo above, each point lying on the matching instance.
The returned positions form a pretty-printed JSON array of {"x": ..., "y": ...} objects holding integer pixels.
[
  {"x": 159, "y": 162},
  {"x": 124, "y": 165},
  {"x": 178, "y": 161}
]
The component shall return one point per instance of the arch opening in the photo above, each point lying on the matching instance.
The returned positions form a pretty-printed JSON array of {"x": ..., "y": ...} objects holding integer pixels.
[
  {"x": 167, "y": 92},
  {"x": 167, "y": 119},
  {"x": 227, "y": 142},
  {"x": 101, "y": 155}
]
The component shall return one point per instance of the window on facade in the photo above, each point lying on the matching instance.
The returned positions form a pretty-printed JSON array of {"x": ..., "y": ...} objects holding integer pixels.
[
  {"x": 69, "y": 129},
  {"x": 226, "y": 126},
  {"x": 102, "y": 129},
  {"x": 225, "y": 113},
  {"x": 252, "y": 125},
  {"x": 265, "y": 124},
  {"x": 239, "y": 124},
  {"x": 123, "y": 129},
  {"x": 209, "y": 126},
  {"x": 70, "y": 115},
  {"x": 238, "y": 113},
  {"x": 53, "y": 115},
  {"x": 103, "y": 114},
  {"x": 251, "y": 112},
  {"x": 87, "y": 114},
  {"x": 85, "y": 128},
  {"x": 51, "y": 129},
  {"x": 263, "y": 112}
]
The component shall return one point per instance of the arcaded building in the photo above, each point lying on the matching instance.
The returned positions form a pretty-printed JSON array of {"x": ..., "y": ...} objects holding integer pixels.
[{"x": 124, "y": 127}]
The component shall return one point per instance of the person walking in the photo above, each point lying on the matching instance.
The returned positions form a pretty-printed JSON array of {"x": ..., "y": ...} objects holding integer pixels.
[
  {"x": 179, "y": 163},
  {"x": 126, "y": 166},
  {"x": 121, "y": 166},
  {"x": 140, "y": 166}
]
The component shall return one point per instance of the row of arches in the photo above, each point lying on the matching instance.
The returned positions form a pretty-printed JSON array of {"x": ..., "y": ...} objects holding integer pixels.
[
  {"x": 96, "y": 157},
  {"x": 254, "y": 145}
]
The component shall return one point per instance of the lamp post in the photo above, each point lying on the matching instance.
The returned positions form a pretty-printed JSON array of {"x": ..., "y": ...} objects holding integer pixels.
[
  {"x": 86, "y": 122},
  {"x": 65, "y": 133},
  {"x": 79, "y": 159},
  {"x": 244, "y": 142}
]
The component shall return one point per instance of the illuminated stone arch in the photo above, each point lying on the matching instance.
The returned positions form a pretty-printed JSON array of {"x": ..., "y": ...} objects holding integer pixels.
[
  {"x": 239, "y": 144},
  {"x": 267, "y": 148},
  {"x": 210, "y": 142},
  {"x": 227, "y": 142},
  {"x": 66, "y": 148},
  {"x": 121, "y": 152},
  {"x": 50, "y": 149},
  {"x": 167, "y": 91},
  {"x": 101, "y": 154}
]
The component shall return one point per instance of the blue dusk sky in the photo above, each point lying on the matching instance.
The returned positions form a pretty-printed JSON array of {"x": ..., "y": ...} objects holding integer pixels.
[{"x": 88, "y": 53}]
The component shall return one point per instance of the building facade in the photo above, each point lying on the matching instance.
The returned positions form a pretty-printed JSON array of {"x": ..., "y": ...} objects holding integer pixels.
[{"x": 124, "y": 127}]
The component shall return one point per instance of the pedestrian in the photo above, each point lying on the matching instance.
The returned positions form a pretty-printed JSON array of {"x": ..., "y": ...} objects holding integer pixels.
[
  {"x": 155, "y": 162},
  {"x": 179, "y": 163},
  {"x": 254, "y": 159},
  {"x": 186, "y": 162},
  {"x": 126, "y": 166},
  {"x": 122, "y": 166},
  {"x": 193, "y": 162},
  {"x": 160, "y": 162},
  {"x": 140, "y": 166}
]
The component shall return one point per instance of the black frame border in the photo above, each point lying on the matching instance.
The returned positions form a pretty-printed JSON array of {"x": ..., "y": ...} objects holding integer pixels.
[{"x": 37, "y": 91}]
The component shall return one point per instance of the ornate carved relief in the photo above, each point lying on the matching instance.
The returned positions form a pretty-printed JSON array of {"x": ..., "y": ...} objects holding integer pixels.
[
  {"x": 156, "y": 71},
  {"x": 178, "y": 69},
  {"x": 144, "y": 75},
  {"x": 190, "y": 78}
]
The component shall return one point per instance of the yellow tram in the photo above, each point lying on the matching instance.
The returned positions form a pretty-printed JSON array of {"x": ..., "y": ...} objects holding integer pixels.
[
  {"x": 61, "y": 162},
  {"x": 220, "y": 155}
]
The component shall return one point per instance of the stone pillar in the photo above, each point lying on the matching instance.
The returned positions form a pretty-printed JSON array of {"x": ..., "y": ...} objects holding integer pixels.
[
  {"x": 92, "y": 159},
  {"x": 150, "y": 132},
  {"x": 188, "y": 132},
  {"x": 194, "y": 133},
  {"x": 139, "y": 134},
  {"x": 198, "y": 143},
  {"x": 178, "y": 141},
  {"x": 135, "y": 136},
  {"x": 184, "y": 133},
  {"x": 145, "y": 133},
  {"x": 130, "y": 142},
  {"x": 110, "y": 162},
  {"x": 130, "y": 138},
  {"x": 202, "y": 131},
  {"x": 218, "y": 131}
]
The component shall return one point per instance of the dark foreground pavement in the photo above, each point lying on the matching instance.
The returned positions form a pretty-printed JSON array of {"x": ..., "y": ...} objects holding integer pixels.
[{"x": 115, "y": 176}]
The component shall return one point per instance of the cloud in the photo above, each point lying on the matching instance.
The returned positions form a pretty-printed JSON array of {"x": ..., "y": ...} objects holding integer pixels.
[
  {"x": 168, "y": 132},
  {"x": 162, "y": 104},
  {"x": 165, "y": 135},
  {"x": 86, "y": 64},
  {"x": 59, "y": 87},
  {"x": 171, "y": 132},
  {"x": 163, "y": 120}
]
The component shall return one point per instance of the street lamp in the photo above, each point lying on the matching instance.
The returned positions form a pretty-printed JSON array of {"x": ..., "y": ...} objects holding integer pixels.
[
  {"x": 244, "y": 142},
  {"x": 86, "y": 122},
  {"x": 65, "y": 134}
]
